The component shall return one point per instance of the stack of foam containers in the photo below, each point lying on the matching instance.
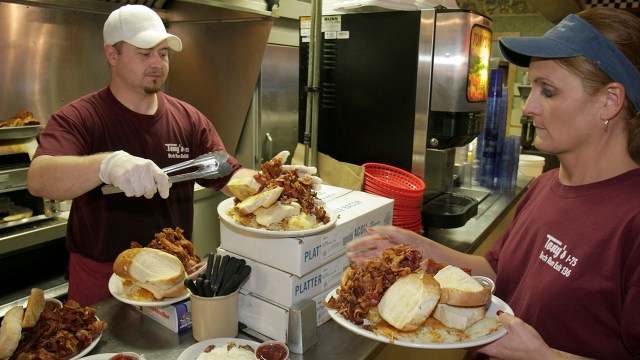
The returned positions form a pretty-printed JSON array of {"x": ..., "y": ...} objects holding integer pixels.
[{"x": 288, "y": 271}]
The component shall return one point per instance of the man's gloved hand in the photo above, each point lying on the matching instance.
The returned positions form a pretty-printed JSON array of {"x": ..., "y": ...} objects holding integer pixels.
[
  {"x": 302, "y": 170},
  {"x": 134, "y": 175}
]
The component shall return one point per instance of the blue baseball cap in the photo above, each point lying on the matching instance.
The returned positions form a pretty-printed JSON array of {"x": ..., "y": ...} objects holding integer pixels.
[{"x": 573, "y": 36}]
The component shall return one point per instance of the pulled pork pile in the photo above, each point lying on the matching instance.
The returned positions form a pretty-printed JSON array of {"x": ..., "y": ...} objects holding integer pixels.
[{"x": 173, "y": 242}]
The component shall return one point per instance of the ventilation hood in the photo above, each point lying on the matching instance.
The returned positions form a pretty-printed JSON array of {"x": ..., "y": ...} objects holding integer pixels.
[
  {"x": 217, "y": 70},
  {"x": 258, "y": 7}
]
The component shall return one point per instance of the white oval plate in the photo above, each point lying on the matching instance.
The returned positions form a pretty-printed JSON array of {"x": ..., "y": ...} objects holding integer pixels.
[
  {"x": 118, "y": 292},
  {"x": 193, "y": 351},
  {"x": 227, "y": 204},
  {"x": 496, "y": 304}
]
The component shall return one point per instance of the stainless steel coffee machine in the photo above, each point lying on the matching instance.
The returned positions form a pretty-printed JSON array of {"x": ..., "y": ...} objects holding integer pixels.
[{"x": 403, "y": 88}]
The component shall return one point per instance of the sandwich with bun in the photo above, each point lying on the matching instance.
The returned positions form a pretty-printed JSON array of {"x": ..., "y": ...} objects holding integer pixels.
[
  {"x": 276, "y": 199},
  {"x": 410, "y": 300},
  {"x": 155, "y": 271},
  {"x": 451, "y": 296},
  {"x": 402, "y": 297},
  {"x": 463, "y": 300}
]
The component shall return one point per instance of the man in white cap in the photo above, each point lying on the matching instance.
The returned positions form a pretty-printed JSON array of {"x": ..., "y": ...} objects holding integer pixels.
[{"x": 122, "y": 135}]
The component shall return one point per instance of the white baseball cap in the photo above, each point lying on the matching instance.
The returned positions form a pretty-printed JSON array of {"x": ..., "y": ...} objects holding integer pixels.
[{"x": 139, "y": 26}]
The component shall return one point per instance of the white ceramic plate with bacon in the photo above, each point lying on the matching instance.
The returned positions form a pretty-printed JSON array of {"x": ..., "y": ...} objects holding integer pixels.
[
  {"x": 226, "y": 205},
  {"x": 496, "y": 304}
]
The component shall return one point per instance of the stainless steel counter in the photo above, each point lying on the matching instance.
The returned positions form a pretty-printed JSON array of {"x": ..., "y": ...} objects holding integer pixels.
[
  {"x": 491, "y": 211},
  {"x": 130, "y": 330}
]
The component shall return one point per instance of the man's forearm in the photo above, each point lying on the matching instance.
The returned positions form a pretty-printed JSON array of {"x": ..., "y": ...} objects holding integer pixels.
[{"x": 64, "y": 177}]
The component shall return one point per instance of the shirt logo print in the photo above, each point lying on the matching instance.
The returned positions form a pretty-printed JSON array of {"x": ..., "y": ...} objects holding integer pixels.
[
  {"x": 556, "y": 255},
  {"x": 176, "y": 151}
]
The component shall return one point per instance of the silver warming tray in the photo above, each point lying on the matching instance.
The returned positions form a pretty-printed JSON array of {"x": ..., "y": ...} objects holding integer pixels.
[
  {"x": 42, "y": 208},
  {"x": 19, "y": 132},
  {"x": 17, "y": 205}
]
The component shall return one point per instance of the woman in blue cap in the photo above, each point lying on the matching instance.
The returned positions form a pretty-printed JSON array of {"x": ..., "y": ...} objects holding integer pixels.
[{"x": 569, "y": 263}]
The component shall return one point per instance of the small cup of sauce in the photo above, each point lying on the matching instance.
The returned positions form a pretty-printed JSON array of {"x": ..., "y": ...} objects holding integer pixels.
[
  {"x": 126, "y": 356},
  {"x": 486, "y": 282},
  {"x": 272, "y": 350}
]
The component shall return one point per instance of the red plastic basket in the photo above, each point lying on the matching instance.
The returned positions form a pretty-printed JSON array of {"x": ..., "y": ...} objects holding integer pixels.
[
  {"x": 389, "y": 178},
  {"x": 403, "y": 187}
]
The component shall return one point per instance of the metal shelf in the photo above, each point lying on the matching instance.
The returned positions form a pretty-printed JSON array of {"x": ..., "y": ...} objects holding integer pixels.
[{"x": 258, "y": 7}]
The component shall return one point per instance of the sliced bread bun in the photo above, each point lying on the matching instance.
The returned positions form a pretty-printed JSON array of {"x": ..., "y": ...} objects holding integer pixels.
[
  {"x": 10, "y": 331},
  {"x": 409, "y": 301},
  {"x": 460, "y": 289},
  {"x": 484, "y": 327},
  {"x": 35, "y": 306},
  {"x": 263, "y": 199},
  {"x": 276, "y": 213},
  {"x": 244, "y": 187},
  {"x": 157, "y": 271},
  {"x": 459, "y": 317}
]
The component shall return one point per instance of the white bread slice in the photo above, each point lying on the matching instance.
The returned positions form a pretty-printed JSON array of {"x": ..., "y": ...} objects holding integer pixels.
[
  {"x": 459, "y": 317},
  {"x": 160, "y": 292},
  {"x": 263, "y": 199},
  {"x": 35, "y": 305},
  {"x": 244, "y": 187},
  {"x": 10, "y": 331},
  {"x": 460, "y": 289},
  {"x": 276, "y": 213},
  {"x": 157, "y": 271},
  {"x": 484, "y": 327},
  {"x": 409, "y": 301}
]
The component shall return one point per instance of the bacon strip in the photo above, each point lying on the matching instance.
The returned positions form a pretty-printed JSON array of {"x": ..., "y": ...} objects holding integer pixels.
[
  {"x": 296, "y": 189},
  {"x": 362, "y": 287}
]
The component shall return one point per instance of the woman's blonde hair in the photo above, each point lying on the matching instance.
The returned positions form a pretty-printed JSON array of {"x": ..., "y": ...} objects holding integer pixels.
[{"x": 622, "y": 28}]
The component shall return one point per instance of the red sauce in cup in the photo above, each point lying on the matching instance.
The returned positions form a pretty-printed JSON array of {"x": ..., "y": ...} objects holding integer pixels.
[
  {"x": 123, "y": 357},
  {"x": 271, "y": 352}
]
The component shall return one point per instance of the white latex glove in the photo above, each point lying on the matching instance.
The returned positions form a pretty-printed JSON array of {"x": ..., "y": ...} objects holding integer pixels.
[
  {"x": 134, "y": 175},
  {"x": 302, "y": 170}
]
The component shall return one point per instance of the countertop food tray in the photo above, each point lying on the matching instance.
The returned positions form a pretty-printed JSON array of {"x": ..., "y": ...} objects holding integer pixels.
[
  {"x": 448, "y": 210},
  {"x": 19, "y": 132}
]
